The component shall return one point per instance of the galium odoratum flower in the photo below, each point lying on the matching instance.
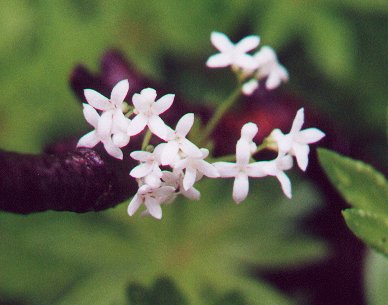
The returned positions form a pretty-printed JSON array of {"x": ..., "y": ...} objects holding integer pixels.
[
  {"x": 231, "y": 54},
  {"x": 296, "y": 141},
  {"x": 267, "y": 66},
  {"x": 149, "y": 167},
  {"x": 111, "y": 126},
  {"x": 147, "y": 112},
  {"x": 152, "y": 199},
  {"x": 195, "y": 166},
  {"x": 242, "y": 169},
  {"x": 176, "y": 141}
]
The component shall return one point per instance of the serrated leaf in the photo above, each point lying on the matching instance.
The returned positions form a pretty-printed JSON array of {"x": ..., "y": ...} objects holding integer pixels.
[
  {"x": 372, "y": 228},
  {"x": 376, "y": 277},
  {"x": 359, "y": 183}
]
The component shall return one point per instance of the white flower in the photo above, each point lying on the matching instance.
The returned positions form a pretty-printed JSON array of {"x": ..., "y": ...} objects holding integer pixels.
[
  {"x": 147, "y": 112},
  {"x": 177, "y": 141},
  {"x": 175, "y": 179},
  {"x": 296, "y": 142},
  {"x": 242, "y": 169},
  {"x": 250, "y": 86},
  {"x": 232, "y": 54},
  {"x": 248, "y": 132},
  {"x": 152, "y": 199},
  {"x": 111, "y": 126},
  {"x": 269, "y": 67},
  {"x": 276, "y": 168},
  {"x": 148, "y": 169},
  {"x": 195, "y": 166}
]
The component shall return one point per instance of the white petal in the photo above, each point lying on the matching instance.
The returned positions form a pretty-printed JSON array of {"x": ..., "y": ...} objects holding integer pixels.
[
  {"x": 157, "y": 126},
  {"x": 120, "y": 122},
  {"x": 89, "y": 140},
  {"x": 298, "y": 121},
  {"x": 149, "y": 94},
  {"x": 249, "y": 87},
  {"x": 137, "y": 125},
  {"x": 134, "y": 204},
  {"x": 184, "y": 124},
  {"x": 141, "y": 155},
  {"x": 309, "y": 135},
  {"x": 285, "y": 183},
  {"x": 240, "y": 188},
  {"x": 191, "y": 193},
  {"x": 120, "y": 139},
  {"x": 153, "y": 207},
  {"x": 249, "y": 131},
  {"x": 189, "y": 179},
  {"x": 243, "y": 152},
  {"x": 162, "y": 104},
  {"x": 273, "y": 81},
  {"x": 91, "y": 115},
  {"x": 141, "y": 170},
  {"x": 105, "y": 124},
  {"x": 181, "y": 164},
  {"x": 141, "y": 105},
  {"x": 265, "y": 56},
  {"x": 245, "y": 61},
  {"x": 119, "y": 92},
  {"x": 248, "y": 43},
  {"x": 190, "y": 149},
  {"x": 226, "y": 169},
  {"x": 152, "y": 180},
  {"x": 301, "y": 152},
  {"x": 113, "y": 150},
  {"x": 163, "y": 192},
  {"x": 97, "y": 100},
  {"x": 219, "y": 61},
  {"x": 170, "y": 152},
  {"x": 256, "y": 170},
  {"x": 221, "y": 41},
  {"x": 207, "y": 169}
]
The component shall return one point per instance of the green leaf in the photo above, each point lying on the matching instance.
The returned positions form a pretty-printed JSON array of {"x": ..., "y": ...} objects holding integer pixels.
[
  {"x": 359, "y": 183},
  {"x": 376, "y": 279},
  {"x": 100, "y": 288},
  {"x": 370, "y": 227}
]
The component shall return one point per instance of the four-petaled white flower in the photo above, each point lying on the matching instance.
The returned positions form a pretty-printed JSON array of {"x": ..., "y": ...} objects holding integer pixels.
[
  {"x": 175, "y": 179},
  {"x": 269, "y": 67},
  {"x": 111, "y": 126},
  {"x": 176, "y": 141},
  {"x": 194, "y": 166},
  {"x": 148, "y": 169},
  {"x": 296, "y": 142},
  {"x": 147, "y": 112},
  {"x": 234, "y": 55},
  {"x": 152, "y": 199},
  {"x": 242, "y": 169},
  {"x": 276, "y": 168}
]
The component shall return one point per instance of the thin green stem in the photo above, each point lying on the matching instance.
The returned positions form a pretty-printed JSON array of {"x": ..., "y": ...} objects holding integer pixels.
[
  {"x": 219, "y": 113},
  {"x": 146, "y": 139}
]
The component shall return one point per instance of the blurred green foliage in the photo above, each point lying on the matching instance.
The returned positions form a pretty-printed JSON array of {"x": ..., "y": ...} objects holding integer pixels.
[{"x": 336, "y": 53}]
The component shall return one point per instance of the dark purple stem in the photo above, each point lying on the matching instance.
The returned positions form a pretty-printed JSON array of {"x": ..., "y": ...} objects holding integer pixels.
[{"x": 79, "y": 181}]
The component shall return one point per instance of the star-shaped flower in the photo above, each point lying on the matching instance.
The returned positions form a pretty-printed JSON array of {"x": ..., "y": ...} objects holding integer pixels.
[
  {"x": 147, "y": 112},
  {"x": 176, "y": 141},
  {"x": 152, "y": 199},
  {"x": 296, "y": 142},
  {"x": 111, "y": 126},
  {"x": 242, "y": 169},
  {"x": 232, "y": 54},
  {"x": 194, "y": 166},
  {"x": 148, "y": 169},
  {"x": 269, "y": 67}
]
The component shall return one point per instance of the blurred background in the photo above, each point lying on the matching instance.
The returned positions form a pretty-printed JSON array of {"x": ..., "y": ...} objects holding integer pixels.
[{"x": 336, "y": 55}]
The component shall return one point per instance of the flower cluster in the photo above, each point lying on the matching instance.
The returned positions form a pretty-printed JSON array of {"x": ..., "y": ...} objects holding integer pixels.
[
  {"x": 176, "y": 164},
  {"x": 251, "y": 68}
]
